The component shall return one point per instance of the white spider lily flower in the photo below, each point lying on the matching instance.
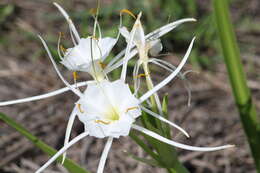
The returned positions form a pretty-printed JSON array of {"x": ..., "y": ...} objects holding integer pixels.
[
  {"x": 154, "y": 35},
  {"x": 109, "y": 109},
  {"x": 113, "y": 64},
  {"x": 88, "y": 53},
  {"x": 153, "y": 46}
]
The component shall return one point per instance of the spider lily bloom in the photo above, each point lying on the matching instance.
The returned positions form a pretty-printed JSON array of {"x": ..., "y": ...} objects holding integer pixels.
[
  {"x": 88, "y": 53},
  {"x": 116, "y": 62},
  {"x": 109, "y": 109}
]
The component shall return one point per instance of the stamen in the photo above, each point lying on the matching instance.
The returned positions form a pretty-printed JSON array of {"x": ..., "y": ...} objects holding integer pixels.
[
  {"x": 103, "y": 65},
  {"x": 93, "y": 37},
  {"x": 127, "y": 12},
  {"x": 141, "y": 75},
  {"x": 79, "y": 107},
  {"x": 103, "y": 122},
  {"x": 93, "y": 11},
  {"x": 61, "y": 34},
  {"x": 131, "y": 108},
  {"x": 75, "y": 75},
  {"x": 63, "y": 49}
]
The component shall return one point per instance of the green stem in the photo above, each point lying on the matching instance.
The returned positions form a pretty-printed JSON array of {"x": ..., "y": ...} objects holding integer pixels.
[
  {"x": 237, "y": 78},
  {"x": 70, "y": 165}
]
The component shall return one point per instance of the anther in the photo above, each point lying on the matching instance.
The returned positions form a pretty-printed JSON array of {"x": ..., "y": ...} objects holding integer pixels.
[
  {"x": 79, "y": 107},
  {"x": 103, "y": 122},
  {"x": 103, "y": 65},
  {"x": 75, "y": 75},
  {"x": 131, "y": 108},
  {"x": 141, "y": 75},
  {"x": 63, "y": 49},
  {"x": 127, "y": 12}
]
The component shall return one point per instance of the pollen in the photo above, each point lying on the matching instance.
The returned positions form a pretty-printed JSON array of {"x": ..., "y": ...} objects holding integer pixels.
[
  {"x": 79, "y": 107},
  {"x": 141, "y": 75},
  {"x": 103, "y": 122},
  {"x": 63, "y": 49},
  {"x": 75, "y": 75},
  {"x": 131, "y": 108},
  {"x": 127, "y": 12},
  {"x": 103, "y": 65}
]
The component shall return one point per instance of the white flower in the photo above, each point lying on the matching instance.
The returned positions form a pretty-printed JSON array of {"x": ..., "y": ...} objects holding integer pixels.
[
  {"x": 111, "y": 111},
  {"x": 88, "y": 53},
  {"x": 153, "y": 46}
]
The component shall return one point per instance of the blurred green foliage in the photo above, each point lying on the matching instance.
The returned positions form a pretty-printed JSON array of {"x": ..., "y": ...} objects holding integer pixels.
[{"x": 5, "y": 11}]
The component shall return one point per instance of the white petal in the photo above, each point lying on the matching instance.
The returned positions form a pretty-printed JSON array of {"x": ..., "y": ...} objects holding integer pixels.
[
  {"x": 43, "y": 96},
  {"x": 62, "y": 150},
  {"x": 77, "y": 92},
  {"x": 167, "y": 28},
  {"x": 139, "y": 37},
  {"x": 68, "y": 130},
  {"x": 124, "y": 32},
  {"x": 153, "y": 35},
  {"x": 156, "y": 47},
  {"x": 176, "y": 144},
  {"x": 71, "y": 25},
  {"x": 104, "y": 155},
  {"x": 106, "y": 44},
  {"x": 128, "y": 49},
  {"x": 168, "y": 66},
  {"x": 170, "y": 77},
  {"x": 165, "y": 120}
]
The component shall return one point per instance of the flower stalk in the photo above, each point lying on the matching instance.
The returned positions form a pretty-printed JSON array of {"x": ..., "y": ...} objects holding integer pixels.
[{"x": 237, "y": 78}]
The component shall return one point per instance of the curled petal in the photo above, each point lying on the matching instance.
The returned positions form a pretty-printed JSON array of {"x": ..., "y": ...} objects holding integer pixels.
[
  {"x": 165, "y": 120},
  {"x": 62, "y": 150},
  {"x": 77, "y": 92},
  {"x": 176, "y": 144},
  {"x": 43, "y": 96},
  {"x": 151, "y": 36},
  {"x": 104, "y": 155},
  {"x": 170, "y": 77},
  {"x": 71, "y": 25},
  {"x": 68, "y": 130}
]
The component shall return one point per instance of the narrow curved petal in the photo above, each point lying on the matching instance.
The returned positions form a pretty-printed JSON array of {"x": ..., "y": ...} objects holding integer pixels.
[
  {"x": 43, "y": 96},
  {"x": 66, "y": 16},
  {"x": 128, "y": 49},
  {"x": 153, "y": 35},
  {"x": 62, "y": 150},
  {"x": 77, "y": 92},
  {"x": 171, "y": 68},
  {"x": 170, "y": 77},
  {"x": 68, "y": 130},
  {"x": 165, "y": 120},
  {"x": 176, "y": 144},
  {"x": 104, "y": 155},
  {"x": 167, "y": 28}
]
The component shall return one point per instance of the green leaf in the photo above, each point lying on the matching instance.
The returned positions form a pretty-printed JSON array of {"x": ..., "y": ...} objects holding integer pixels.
[
  {"x": 143, "y": 145},
  {"x": 144, "y": 160},
  {"x": 166, "y": 127},
  {"x": 237, "y": 78},
  {"x": 70, "y": 165}
]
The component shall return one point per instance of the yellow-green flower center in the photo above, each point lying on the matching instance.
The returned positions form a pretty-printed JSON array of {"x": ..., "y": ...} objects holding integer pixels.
[{"x": 112, "y": 114}]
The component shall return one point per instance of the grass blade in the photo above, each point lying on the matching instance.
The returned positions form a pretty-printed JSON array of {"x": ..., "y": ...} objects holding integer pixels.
[
  {"x": 237, "y": 78},
  {"x": 70, "y": 165}
]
